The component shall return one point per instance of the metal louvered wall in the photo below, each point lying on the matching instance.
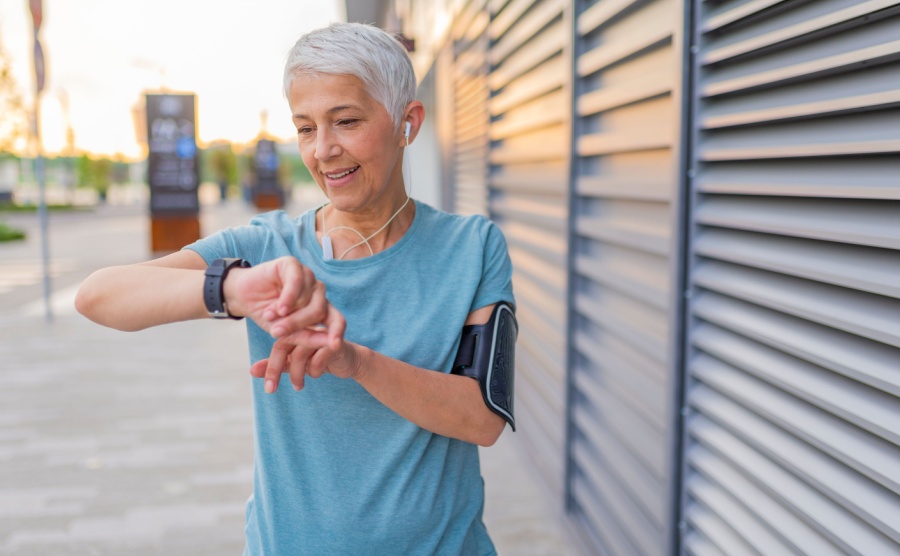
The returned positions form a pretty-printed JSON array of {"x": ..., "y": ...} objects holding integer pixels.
[
  {"x": 529, "y": 133},
  {"x": 793, "y": 389},
  {"x": 470, "y": 46},
  {"x": 625, "y": 182}
]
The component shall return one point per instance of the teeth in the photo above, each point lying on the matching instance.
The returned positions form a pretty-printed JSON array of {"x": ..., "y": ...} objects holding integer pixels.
[{"x": 342, "y": 174}]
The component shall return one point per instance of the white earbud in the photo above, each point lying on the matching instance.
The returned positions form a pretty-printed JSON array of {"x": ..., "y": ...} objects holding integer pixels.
[{"x": 406, "y": 133}]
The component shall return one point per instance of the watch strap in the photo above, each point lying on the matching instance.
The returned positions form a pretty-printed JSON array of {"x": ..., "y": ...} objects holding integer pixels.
[{"x": 213, "y": 292}]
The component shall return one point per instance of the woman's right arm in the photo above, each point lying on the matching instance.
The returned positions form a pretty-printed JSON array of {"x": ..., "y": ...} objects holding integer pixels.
[
  {"x": 138, "y": 296},
  {"x": 170, "y": 289}
]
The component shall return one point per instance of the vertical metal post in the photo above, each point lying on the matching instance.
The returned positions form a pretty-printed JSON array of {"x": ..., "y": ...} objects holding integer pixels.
[{"x": 37, "y": 16}]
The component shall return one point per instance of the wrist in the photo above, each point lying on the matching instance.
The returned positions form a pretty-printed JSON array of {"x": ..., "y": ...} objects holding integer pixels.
[
  {"x": 231, "y": 292},
  {"x": 362, "y": 357}
]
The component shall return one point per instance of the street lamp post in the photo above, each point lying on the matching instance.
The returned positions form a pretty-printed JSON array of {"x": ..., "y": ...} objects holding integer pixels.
[{"x": 37, "y": 15}]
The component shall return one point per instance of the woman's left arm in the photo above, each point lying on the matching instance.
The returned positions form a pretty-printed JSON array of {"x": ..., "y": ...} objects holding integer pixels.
[{"x": 445, "y": 404}]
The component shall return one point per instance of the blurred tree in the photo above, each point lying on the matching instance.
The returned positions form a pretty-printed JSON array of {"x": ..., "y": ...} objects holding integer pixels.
[
  {"x": 223, "y": 165},
  {"x": 14, "y": 120},
  {"x": 85, "y": 169}
]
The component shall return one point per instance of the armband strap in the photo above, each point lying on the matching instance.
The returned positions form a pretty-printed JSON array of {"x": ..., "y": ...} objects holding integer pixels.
[{"x": 487, "y": 354}]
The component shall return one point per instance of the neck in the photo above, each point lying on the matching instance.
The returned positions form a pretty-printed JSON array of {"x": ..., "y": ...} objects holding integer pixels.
[{"x": 359, "y": 234}]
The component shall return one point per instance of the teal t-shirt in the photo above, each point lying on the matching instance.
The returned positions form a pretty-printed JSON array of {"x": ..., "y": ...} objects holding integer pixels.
[{"x": 337, "y": 472}]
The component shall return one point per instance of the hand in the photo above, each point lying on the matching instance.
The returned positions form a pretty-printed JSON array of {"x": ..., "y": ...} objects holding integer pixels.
[
  {"x": 312, "y": 355},
  {"x": 283, "y": 297}
]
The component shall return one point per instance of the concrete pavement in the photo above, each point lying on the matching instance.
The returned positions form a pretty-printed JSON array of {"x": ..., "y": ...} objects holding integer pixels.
[{"x": 141, "y": 443}]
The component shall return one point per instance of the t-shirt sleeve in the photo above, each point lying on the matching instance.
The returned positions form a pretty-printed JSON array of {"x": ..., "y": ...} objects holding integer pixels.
[
  {"x": 496, "y": 275},
  {"x": 243, "y": 242}
]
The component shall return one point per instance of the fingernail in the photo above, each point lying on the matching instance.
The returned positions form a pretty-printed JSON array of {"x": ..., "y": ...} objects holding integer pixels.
[
  {"x": 270, "y": 386},
  {"x": 268, "y": 315},
  {"x": 278, "y": 331},
  {"x": 283, "y": 310},
  {"x": 296, "y": 388}
]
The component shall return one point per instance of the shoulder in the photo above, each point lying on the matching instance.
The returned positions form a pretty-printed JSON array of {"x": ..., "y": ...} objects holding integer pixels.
[{"x": 457, "y": 226}]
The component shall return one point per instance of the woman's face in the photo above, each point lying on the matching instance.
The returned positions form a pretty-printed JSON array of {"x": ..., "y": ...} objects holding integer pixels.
[{"x": 347, "y": 141}]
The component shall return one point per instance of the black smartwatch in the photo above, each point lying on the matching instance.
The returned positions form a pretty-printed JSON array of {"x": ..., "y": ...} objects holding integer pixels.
[{"x": 213, "y": 295}]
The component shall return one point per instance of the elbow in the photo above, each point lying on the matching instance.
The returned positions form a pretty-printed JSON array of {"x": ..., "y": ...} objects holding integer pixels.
[
  {"x": 86, "y": 300},
  {"x": 490, "y": 431},
  {"x": 91, "y": 303}
]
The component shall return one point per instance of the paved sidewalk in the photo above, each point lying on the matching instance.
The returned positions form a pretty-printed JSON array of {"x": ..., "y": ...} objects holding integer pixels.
[{"x": 140, "y": 443}]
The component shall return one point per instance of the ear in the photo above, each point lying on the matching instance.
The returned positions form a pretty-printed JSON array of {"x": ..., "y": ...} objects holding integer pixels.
[{"x": 413, "y": 117}]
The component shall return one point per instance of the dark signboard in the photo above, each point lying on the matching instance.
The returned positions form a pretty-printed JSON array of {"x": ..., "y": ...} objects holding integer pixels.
[{"x": 173, "y": 169}]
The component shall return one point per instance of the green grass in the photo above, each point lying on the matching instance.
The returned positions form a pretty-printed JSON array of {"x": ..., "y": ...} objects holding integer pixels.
[
  {"x": 10, "y": 234},
  {"x": 10, "y": 207}
]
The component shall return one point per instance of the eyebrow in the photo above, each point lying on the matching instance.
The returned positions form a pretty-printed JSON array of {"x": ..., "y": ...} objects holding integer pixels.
[{"x": 329, "y": 112}]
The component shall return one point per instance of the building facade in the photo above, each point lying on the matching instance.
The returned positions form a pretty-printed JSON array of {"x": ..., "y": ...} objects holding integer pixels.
[{"x": 702, "y": 204}]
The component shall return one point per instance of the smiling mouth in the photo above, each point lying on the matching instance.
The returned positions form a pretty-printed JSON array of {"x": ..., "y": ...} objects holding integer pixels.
[{"x": 341, "y": 174}]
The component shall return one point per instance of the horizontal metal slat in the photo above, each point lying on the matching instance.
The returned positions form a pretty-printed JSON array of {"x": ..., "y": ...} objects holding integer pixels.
[
  {"x": 832, "y": 107},
  {"x": 846, "y": 530},
  {"x": 553, "y": 151},
  {"x": 607, "y": 98},
  {"x": 598, "y": 450},
  {"x": 507, "y": 18},
  {"x": 600, "y": 58},
  {"x": 872, "y": 503},
  {"x": 828, "y": 65},
  {"x": 536, "y": 83},
  {"x": 886, "y": 146},
  {"x": 623, "y": 187},
  {"x": 640, "y": 392},
  {"x": 643, "y": 441},
  {"x": 599, "y": 144},
  {"x": 548, "y": 45},
  {"x": 696, "y": 544},
  {"x": 738, "y": 12},
  {"x": 716, "y": 531},
  {"x": 600, "y": 521},
  {"x": 867, "y": 315},
  {"x": 869, "y": 178},
  {"x": 799, "y": 536},
  {"x": 640, "y": 530},
  {"x": 634, "y": 322},
  {"x": 866, "y": 453},
  {"x": 863, "y": 360},
  {"x": 863, "y": 268},
  {"x": 629, "y": 276},
  {"x": 742, "y": 522},
  {"x": 534, "y": 269},
  {"x": 526, "y": 28},
  {"x": 831, "y": 22},
  {"x": 601, "y": 13},
  {"x": 869, "y": 409},
  {"x": 644, "y": 236},
  {"x": 544, "y": 112},
  {"x": 861, "y": 222},
  {"x": 531, "y": 184}
]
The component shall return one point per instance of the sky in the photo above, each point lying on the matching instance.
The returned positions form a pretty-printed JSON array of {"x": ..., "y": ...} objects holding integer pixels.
[{"x": 103, "y": 54}]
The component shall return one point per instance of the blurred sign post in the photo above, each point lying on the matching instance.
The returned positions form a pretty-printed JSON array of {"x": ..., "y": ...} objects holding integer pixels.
[
  {"x": 173, "y": 170},
  {"x": 267, "y": 190},
  {"x": 37, "y": 16}
]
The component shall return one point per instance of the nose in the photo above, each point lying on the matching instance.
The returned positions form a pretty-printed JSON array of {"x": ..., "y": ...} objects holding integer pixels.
[{"x": 326, "y": 145}]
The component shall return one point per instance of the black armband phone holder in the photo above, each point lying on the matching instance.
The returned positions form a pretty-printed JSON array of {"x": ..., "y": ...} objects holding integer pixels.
[{"x": 487, "y": 353}]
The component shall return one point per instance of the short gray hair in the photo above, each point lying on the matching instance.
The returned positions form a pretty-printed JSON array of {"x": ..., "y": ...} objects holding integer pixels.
[{"x": 372, "y": 55}]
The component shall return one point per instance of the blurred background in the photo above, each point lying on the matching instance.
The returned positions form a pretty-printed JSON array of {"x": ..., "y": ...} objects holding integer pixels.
[{"x": 702, "y": 205}]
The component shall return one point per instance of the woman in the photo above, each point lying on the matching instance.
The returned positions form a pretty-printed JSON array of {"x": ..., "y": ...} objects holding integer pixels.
[{"x": 377, "y": 455}]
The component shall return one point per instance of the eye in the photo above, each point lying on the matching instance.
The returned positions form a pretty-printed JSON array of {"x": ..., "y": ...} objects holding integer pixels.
[
  {"x": 305, "y": 130},
  {"x": 347, "y": 122}
]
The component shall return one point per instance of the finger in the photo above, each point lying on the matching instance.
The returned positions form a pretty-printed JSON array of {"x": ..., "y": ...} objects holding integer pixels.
[
  {"x": 315, "y": 312},
  {"x": 336, "y": 325},
  {"x": 258, "y": 369},
  {"x": 298, "y": 366},
  {"x": 318, "y": 363},
  {"x": 276, "y": 365},
  {"x": 291, "y": 275},
  {"x": 312, "y": 338}
]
